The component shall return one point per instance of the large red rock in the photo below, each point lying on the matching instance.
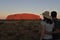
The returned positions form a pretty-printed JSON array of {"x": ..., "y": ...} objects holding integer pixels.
[{"x": 24, "y": 16}]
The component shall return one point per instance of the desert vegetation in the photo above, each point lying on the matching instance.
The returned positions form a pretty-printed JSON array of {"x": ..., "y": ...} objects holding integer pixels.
[{"x": 20, "y": 29}]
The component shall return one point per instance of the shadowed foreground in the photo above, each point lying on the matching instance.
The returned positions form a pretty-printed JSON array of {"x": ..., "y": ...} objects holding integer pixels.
[{"x": 19, "y": 29}]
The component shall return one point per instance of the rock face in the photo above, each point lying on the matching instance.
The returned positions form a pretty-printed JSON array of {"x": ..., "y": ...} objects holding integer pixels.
[
  {"x": 24, "y": 16},
  {"x": 20, "y": 30}
]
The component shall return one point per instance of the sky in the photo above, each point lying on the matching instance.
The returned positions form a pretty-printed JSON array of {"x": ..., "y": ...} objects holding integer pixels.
[{"x": 8, "y": 7}]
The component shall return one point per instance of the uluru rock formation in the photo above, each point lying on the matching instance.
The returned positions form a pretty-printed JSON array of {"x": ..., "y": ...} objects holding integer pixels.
[{"x": 24, "y": 16}]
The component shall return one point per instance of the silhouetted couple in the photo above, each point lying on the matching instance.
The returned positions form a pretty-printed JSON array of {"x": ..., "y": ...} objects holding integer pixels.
[{"x": 50, "y": 26}]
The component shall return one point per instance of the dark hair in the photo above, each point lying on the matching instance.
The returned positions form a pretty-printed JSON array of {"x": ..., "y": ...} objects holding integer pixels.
[
  {"x": 48, "y": 20},
  {"x": 54, "y": 14}
]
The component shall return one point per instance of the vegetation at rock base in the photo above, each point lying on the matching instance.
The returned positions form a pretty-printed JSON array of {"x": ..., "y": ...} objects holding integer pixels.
[{"x": 20, "y": 29}]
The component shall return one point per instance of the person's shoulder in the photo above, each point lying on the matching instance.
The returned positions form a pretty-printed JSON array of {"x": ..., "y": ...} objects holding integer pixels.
[
  {"x": 57, "y": 20},
  {"x": 58, "y": 24},
  {"x": 43, "y": 22}
]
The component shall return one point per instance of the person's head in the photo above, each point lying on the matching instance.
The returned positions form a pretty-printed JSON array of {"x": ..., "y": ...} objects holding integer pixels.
[
  {"x": 54, "y": 14},
  {"x": 47, "y": 17},
  {"x": 46, "y": 13}
]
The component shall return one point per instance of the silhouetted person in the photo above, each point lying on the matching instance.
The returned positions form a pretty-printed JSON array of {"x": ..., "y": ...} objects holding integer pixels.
[{"x": 56, "y": 29}]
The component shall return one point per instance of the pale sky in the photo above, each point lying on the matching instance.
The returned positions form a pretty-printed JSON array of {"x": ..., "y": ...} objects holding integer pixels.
[{"x": 8, "y": 7}]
